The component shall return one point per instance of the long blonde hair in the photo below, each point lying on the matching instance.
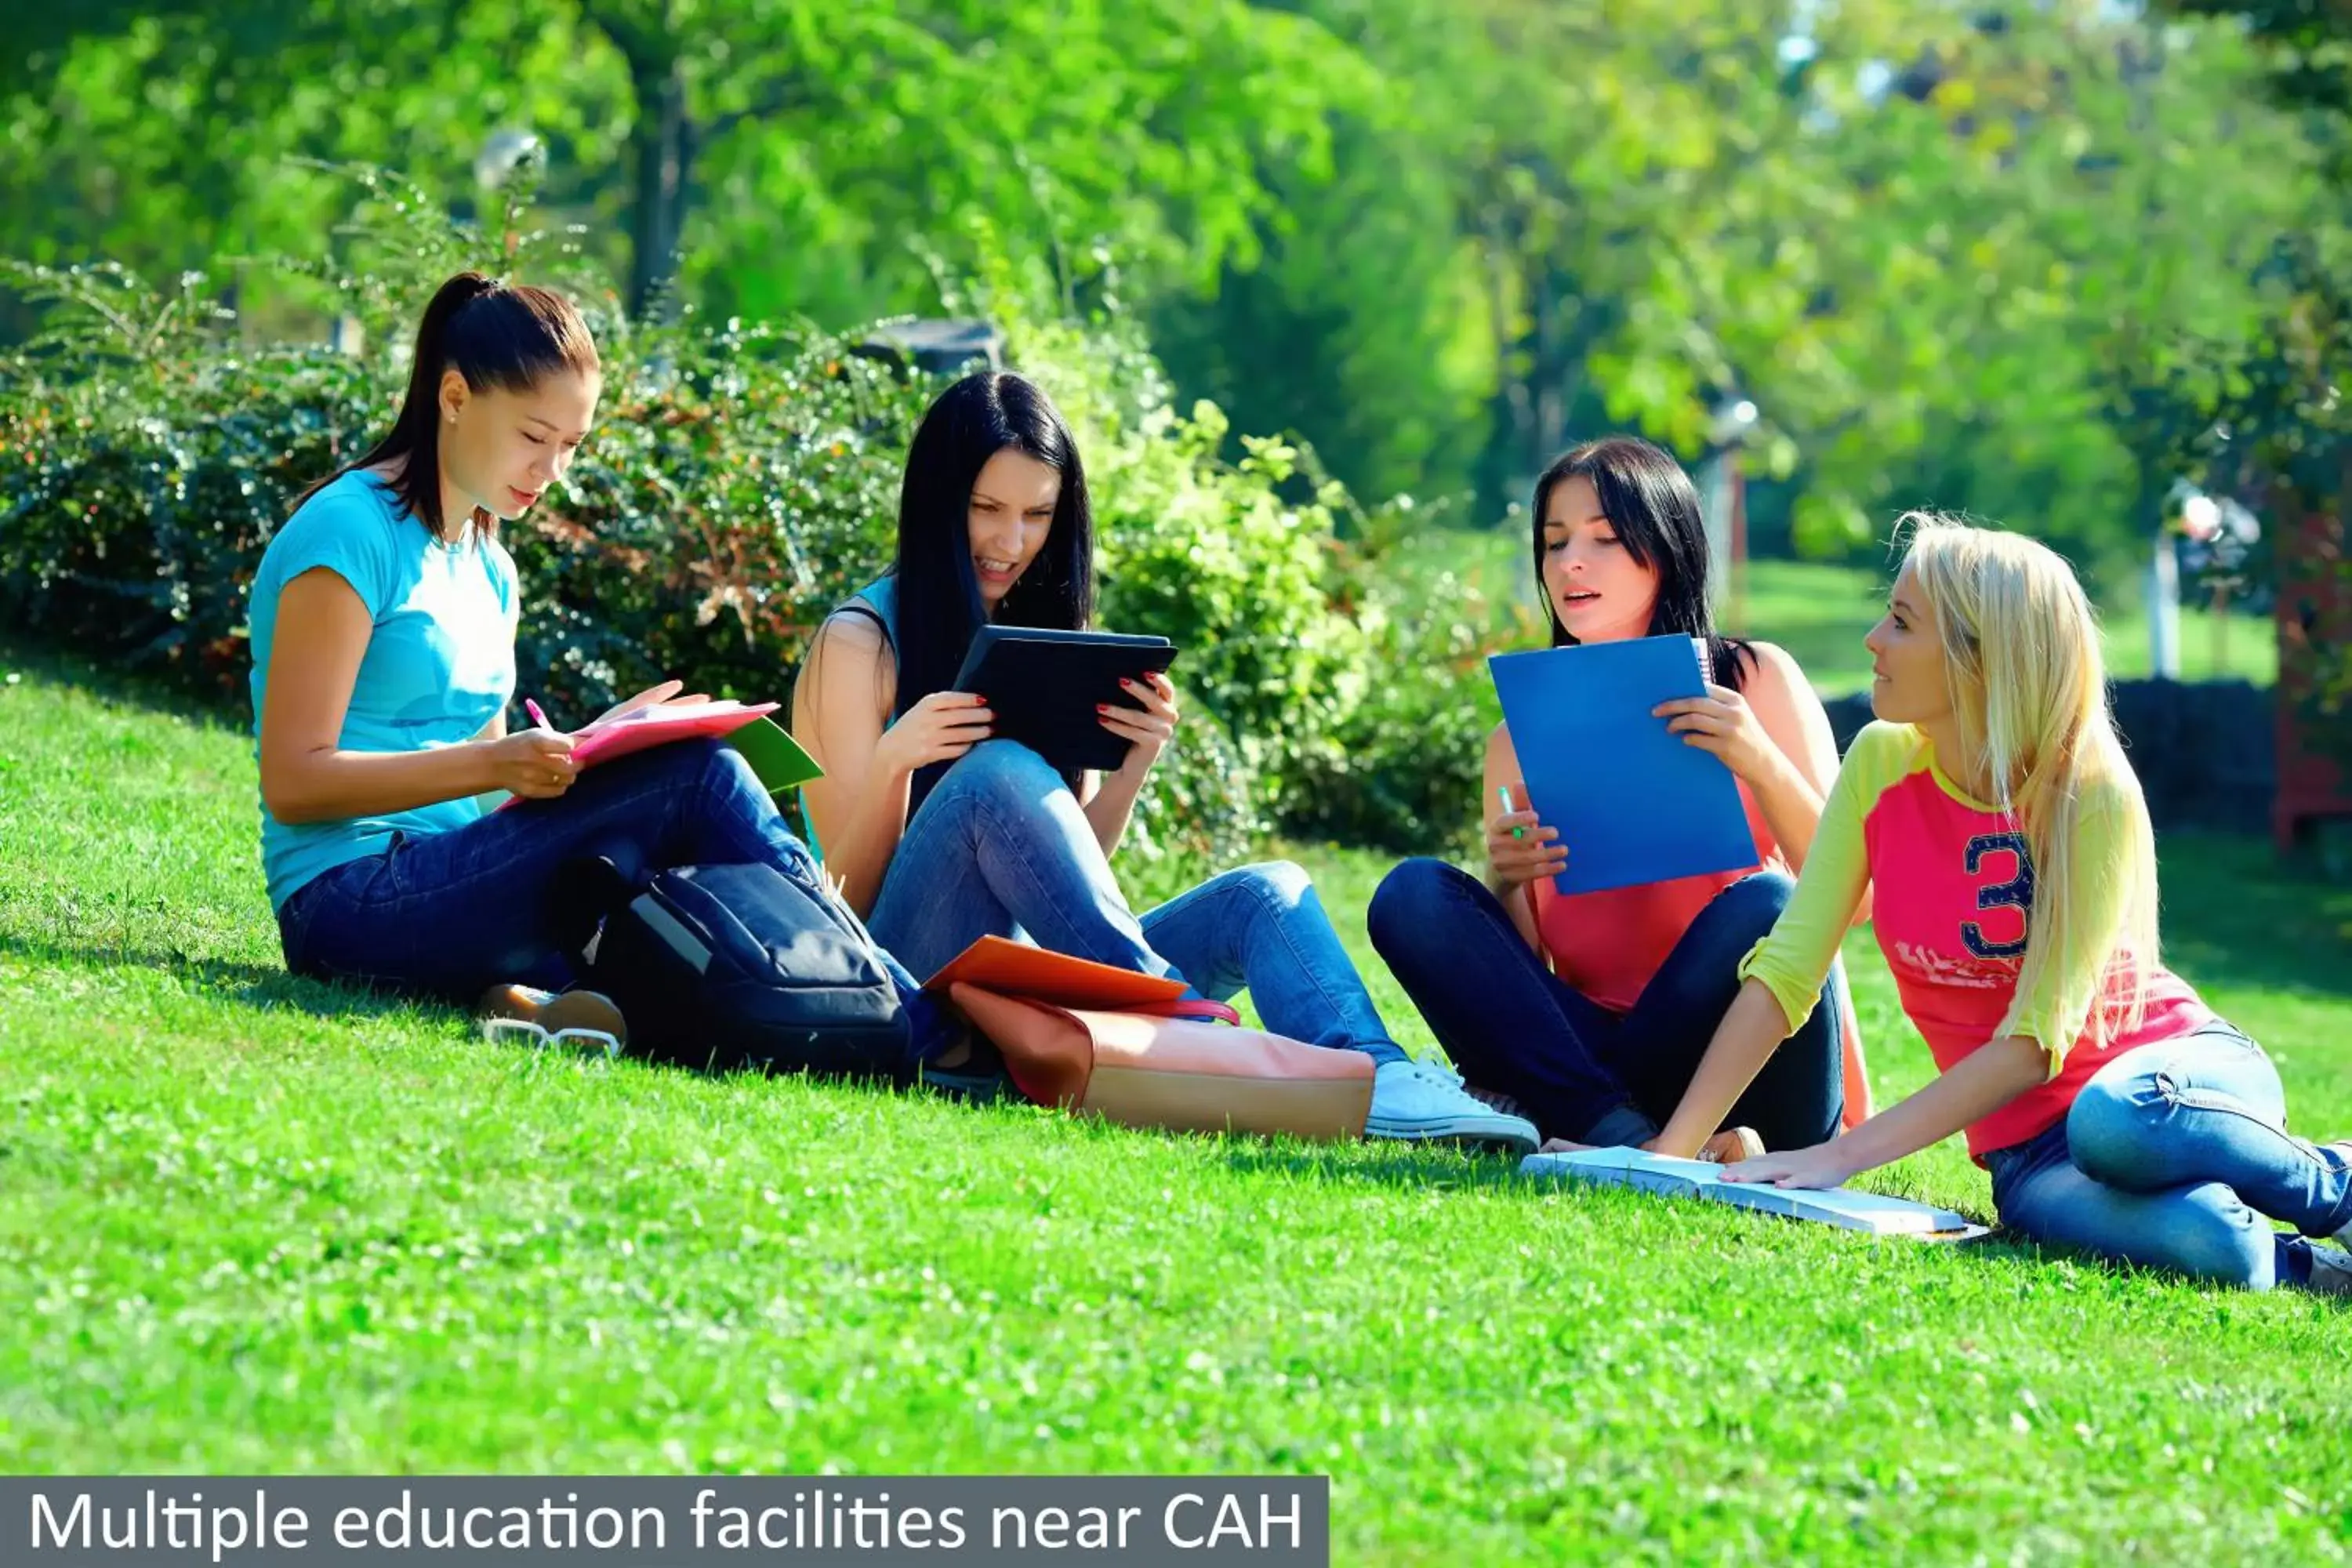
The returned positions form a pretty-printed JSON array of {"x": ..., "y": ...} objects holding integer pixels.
[{"x": 2029, "y": 691}]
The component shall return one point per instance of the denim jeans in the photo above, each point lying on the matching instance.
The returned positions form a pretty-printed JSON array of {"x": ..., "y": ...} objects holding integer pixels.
[
  {"x": 1002, "y": 847},
  {"x": 449, "y": 915},
  {"x": 1575, "y": 1067},
  {"x": 2176, "y": 1155}
]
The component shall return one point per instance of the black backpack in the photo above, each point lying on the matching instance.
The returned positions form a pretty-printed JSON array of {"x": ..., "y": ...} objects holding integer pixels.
[{"x": 720, "y": 967}]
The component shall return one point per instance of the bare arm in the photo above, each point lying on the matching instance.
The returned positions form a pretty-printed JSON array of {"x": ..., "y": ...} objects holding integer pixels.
[
  {"x": 1501, "y": 772},
  {"x": 1108, "y": 800},
  {"x": 322, "y": 634},
  {"x": 1782, "y": 978},
  {"x": 1792, "y": 714},
  {"x": 1790, "y": 793},
  {"x": 496, "y": 730},
  {"x": 1990, "y": 1077},
  {"x": 841, "y": 707},
  {"x": 1752, "y": 1029}
]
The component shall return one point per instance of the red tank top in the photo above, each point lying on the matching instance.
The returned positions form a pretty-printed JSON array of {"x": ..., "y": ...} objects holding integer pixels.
[{"x": 1609, "y": 944}]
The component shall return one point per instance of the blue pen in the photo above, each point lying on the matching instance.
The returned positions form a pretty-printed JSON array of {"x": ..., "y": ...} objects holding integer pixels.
[{"x": 1505, "y": 791}]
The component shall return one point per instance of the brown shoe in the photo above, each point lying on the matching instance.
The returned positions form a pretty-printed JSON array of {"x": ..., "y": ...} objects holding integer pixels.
[
  {"x": 1732, "y": 1145},
  {"x": 554, "y": 1011}
]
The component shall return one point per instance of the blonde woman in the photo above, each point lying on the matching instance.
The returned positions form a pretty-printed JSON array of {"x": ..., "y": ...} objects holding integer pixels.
[{"x": 2015, "y": 901}]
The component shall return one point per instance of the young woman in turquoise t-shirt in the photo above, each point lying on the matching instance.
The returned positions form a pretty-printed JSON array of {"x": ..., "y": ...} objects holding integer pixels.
[{"x": 383, "y": 620}]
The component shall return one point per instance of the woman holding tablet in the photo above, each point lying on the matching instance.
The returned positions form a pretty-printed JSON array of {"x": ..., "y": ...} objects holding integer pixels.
[
  {"x": 1589, "y": 1011},
  {"x": 383, "y": 660},
  {"x": 939, "y": 834},
  {"x": 1993, "y": 808}
]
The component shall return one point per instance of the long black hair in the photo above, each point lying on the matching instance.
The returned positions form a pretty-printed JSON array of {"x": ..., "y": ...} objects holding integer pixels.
[
  {"x": 1653, "y": 507},
  {"x": 509, "y": 336},
  {"x": 939, "y": 607}
]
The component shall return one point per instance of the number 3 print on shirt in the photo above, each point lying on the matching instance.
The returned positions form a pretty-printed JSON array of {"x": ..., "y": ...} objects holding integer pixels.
[{"x": 2017, "y": 893}]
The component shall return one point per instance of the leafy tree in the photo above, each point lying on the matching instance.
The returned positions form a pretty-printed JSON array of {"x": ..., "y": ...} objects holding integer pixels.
[
  {"x": 1996, "y": 258},
  {"x": 807, "y": 153},
  {"x": 2284, "y": 438},
  {"x": 186, "y": 135}
]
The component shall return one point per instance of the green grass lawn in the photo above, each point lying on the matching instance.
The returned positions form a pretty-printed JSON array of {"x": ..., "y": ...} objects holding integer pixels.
[
  {"x": 1818, "y": 611},
  {"x": 247, "y": 1223}
]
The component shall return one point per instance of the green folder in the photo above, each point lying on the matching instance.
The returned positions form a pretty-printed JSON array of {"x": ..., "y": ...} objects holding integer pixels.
[{"x": 776, "y": 759}]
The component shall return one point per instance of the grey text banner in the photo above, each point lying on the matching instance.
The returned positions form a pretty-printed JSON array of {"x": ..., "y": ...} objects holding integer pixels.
[{"x": 662, "y": 1521}]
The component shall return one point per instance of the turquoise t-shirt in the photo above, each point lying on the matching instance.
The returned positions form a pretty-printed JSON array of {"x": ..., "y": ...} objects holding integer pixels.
[{"x": 439, "y": 664}]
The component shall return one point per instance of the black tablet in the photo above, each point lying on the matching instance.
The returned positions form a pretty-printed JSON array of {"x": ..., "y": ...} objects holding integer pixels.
[{"x": 1044, "y": 687}]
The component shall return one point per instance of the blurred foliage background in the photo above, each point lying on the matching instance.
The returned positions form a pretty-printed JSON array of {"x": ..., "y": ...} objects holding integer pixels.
[{"x": 1323, "y": 281}]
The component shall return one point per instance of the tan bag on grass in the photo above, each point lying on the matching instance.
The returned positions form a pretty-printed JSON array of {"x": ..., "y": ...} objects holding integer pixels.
[{"x": 1186, "y": 1074}]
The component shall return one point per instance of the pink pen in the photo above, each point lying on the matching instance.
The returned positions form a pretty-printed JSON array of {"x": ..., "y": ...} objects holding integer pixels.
[{"x": 537, "y": 717}]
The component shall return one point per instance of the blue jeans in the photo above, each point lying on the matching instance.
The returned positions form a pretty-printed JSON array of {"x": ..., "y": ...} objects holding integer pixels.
[
  {"x": 2176, "y": 1155},
  {"x": 1575, "y": 1067},
  {"x": 1001, "y": 847},
  {"x": 449, "y": 915}
]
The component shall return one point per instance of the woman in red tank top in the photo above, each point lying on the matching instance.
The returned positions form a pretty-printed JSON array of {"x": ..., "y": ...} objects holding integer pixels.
[{"x": 1590, "y": 1011}]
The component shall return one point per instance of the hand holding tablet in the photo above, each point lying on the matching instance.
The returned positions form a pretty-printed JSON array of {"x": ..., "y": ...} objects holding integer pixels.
[
  {"x": 1079, "y": 699},
  {"x": 939, "y": 729},
  {"x": 1147, "y": 727}
]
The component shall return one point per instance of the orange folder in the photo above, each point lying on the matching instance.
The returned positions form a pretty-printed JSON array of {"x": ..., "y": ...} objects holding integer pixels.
[{"x": 1016, "y": 969}]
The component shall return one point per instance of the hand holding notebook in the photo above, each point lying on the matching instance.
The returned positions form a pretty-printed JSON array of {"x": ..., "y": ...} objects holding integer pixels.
[
  {"x": 1521, "y": 847},
  {"x": 776, "y": 759},
  {"x": 1721, "y": 723}
]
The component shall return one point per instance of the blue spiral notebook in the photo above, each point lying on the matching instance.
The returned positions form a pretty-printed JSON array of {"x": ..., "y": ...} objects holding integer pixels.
[{"x": 1633, "y": 802}]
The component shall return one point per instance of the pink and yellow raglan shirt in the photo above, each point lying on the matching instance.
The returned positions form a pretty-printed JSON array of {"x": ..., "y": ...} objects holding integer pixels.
[{"x": 1951, "y": 885}]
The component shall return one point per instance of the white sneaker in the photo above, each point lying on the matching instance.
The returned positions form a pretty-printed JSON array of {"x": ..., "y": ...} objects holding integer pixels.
[
  {"x": 1495, "y": 1099},
  {"x": 1419, "y": 1102}
]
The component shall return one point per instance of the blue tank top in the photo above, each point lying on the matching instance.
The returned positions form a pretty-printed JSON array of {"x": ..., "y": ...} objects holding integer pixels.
[{"x": 881, "y": 597}]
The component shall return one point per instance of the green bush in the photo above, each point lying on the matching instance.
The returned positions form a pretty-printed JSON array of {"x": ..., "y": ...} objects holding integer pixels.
[
  {"x": 741, "y": 480},
  {"x": 722, "y": 505},
  {"x": 1403, "y": 770}
]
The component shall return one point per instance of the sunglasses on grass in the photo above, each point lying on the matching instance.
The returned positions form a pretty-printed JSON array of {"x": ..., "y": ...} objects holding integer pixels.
[{"x": 584, "y": 1041}]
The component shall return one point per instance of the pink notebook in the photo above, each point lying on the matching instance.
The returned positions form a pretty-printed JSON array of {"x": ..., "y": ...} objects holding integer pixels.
[
  {"x": 647, "y": 727},
  {"x": 601, "y": 743}
]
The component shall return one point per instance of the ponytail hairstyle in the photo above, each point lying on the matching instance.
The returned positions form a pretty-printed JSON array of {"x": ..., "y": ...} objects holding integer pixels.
[
  {"x": 939, "y": 607},
  {"x": 2028, "y": 691},
  {"x": 507, "y": 336},
  {"x": 1654, "y": 509}
]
